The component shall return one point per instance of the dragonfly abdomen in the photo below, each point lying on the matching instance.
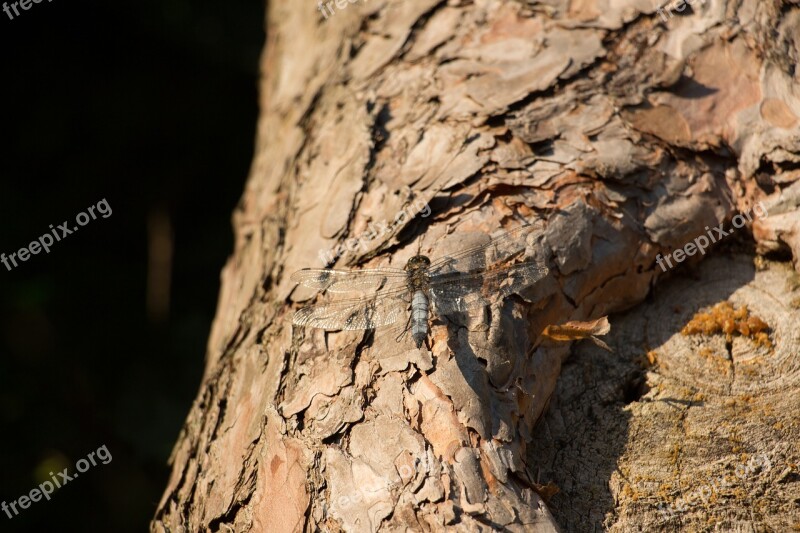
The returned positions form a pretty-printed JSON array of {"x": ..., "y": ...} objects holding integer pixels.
[{"x": 419, "y": 317}]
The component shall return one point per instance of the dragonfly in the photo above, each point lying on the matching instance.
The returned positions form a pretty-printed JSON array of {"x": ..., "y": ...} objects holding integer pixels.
[{"x": 457, "y": 284}]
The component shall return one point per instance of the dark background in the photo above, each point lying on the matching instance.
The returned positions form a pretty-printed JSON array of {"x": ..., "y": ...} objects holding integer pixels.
[{"x": 151, "y": 105}]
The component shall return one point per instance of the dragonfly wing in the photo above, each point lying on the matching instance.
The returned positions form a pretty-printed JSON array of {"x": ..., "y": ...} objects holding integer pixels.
[
  {"x": 456, "y": 292},
  {"x": 482, "y": 256},
  {"x": 367, "y": 280},
  {"x": 376, "y": 311}
]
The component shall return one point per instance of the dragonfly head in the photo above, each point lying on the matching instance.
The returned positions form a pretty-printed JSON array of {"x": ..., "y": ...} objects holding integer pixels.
[{"x": 417, "y": 262}]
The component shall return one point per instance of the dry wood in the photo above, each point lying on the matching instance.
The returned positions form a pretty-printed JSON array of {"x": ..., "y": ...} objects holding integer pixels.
[{"x": 625, "y": 134}]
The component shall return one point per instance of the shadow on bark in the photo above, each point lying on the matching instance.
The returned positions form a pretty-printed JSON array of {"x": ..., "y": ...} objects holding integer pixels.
[{"x": 579, "y": 443}]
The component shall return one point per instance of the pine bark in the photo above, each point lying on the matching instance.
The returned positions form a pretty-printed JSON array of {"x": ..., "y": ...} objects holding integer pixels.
[{"x": 626, "y": 131}]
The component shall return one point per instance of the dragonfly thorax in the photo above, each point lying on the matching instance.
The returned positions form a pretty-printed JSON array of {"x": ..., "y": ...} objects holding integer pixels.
[
  {"x": 418, "y": 275},
  {"x": 417, "y": 262}
]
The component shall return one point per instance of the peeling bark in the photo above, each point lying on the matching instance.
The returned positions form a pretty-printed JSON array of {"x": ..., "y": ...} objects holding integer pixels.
[{"x": 625, "y": 135}]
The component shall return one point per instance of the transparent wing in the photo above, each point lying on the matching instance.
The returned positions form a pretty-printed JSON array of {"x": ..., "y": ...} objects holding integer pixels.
[
  {"x": 382, "y": 309},
  {"x": 456, "y": 292},
  {"x": 367, "y": 280},
  {"x": 480, "y": 257}
]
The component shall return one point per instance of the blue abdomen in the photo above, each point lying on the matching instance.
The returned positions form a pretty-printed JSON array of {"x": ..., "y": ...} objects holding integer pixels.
[{"x": 419, "y": 317}]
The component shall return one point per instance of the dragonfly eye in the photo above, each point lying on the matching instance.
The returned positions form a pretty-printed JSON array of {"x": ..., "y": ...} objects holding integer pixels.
[{"x": 417, "y": 261}]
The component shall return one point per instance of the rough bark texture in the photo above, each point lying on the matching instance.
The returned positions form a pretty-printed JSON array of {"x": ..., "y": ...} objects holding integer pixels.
[{"x": 626, "y": 136}]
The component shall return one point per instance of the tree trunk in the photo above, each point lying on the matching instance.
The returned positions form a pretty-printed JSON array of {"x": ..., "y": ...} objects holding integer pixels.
[{"x": 627, "y": 131}]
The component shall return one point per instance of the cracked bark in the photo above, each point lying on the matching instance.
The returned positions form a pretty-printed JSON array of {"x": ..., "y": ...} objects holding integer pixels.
[{"x": 624, "y": 134}]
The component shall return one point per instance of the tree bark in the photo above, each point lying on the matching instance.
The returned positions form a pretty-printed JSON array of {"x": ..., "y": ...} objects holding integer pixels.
[{"x": 625, "y": 130}]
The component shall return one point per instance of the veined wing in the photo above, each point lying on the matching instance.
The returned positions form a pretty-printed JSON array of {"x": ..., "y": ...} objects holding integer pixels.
[
  {"x": 480, "y": 257},
  {"x": 367, "y": 280},
  {"x": 382, "y": 309},
  {"x": 457, "y": 292}
]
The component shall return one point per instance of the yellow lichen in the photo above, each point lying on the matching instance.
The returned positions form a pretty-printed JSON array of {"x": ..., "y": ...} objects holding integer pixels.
[{"x": 724, "y": 318}]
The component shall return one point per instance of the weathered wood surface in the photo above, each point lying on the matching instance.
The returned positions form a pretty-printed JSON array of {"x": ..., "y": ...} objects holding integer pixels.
[
  {"x": 625, "y": 134},
  {"x": 677, "y": 433}
]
